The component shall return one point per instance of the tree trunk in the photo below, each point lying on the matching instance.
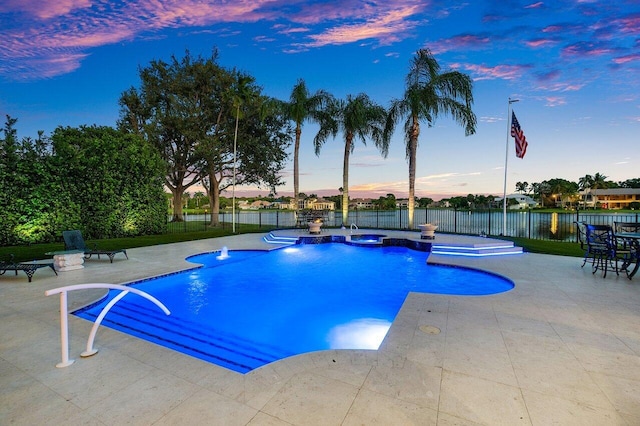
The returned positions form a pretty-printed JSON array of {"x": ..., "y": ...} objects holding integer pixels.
[
  {"x": 345, "y": 180},
  {"x": 214, "y": 198},
  {"x": 296, "y": 172},
  {"x": 177, "y": 192},
  {"x": 413, "y": 148}
]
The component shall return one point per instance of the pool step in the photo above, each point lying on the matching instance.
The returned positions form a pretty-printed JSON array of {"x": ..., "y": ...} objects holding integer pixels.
[
  {"x": 274, "y": 239},
  {"x": 215, "y": 346},
  {"x": 498, "y": 248}
]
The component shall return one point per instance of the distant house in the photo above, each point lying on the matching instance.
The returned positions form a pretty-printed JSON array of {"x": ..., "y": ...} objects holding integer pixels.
[
  {"x": 402, "y": 203},
  {"x": 282, "y": 205},
  {"x": 612, "y": 198},
  {"x": 256, "y": 205},
  {"x": 524, "y": 201},
  {"x": 313, "y": 204},
  {"x": 323, "y": 204},
  {"x": 361, "y": 203}
]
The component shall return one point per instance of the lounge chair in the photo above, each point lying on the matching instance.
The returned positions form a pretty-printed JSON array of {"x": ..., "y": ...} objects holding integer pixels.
[
  {"x": 73, "y": 241},
  {"x": 29, "y": 268}
]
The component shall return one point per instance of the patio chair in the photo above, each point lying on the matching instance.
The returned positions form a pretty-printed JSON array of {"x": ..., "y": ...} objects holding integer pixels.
[
  {"x": 29, "y": 268},
  {"x": 627, "y": 244},
  {"x": 73, "y": 241},
  {"x": 603, "y": 248},
  {"x": 582, "y": 239}
]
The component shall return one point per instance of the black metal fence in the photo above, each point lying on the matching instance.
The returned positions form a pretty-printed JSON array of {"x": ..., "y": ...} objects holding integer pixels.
[{"x": 530, "y": 224}]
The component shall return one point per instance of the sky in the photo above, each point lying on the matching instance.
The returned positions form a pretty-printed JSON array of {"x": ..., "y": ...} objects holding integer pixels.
[{"x": 573, "y": 66}]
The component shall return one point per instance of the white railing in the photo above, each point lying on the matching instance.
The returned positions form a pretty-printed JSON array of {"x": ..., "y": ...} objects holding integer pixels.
[{"x": 64, "y": 326}]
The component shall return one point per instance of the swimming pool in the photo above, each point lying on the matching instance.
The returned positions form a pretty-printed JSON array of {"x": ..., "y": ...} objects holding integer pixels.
[{"x": 256, "y": 307}]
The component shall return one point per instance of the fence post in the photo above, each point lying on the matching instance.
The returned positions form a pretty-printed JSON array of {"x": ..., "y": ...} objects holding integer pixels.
[{"x": 455, "y": 220}]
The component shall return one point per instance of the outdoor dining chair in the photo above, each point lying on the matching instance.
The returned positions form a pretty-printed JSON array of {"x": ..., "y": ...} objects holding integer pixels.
[
  {"x": 627, "y": 241},
  {"x": 603, "y": 248},
  {"x": 582, "y": 239}
]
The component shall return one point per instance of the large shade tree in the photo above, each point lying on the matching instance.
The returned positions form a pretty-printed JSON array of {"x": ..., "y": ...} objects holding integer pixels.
[
  {"x": 194, "y": 111},
  {"x": 428, "y": 94},
  {"x": 301, "y": 107},
  {"x": 356, "y": 118},
  {"x": 176, "y": 106}
]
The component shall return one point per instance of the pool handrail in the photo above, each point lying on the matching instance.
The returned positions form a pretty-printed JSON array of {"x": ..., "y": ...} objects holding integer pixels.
[{"x": 64, "y": 327}]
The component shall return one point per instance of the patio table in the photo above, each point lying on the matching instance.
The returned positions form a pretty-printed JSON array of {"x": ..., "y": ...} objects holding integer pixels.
[{"x": 633, "y": 239}]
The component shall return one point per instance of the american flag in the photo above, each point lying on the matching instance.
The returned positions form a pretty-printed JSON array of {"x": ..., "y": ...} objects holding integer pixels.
[{"x": 518, "y": 134}]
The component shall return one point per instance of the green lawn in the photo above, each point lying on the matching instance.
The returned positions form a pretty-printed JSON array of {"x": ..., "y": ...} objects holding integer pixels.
[
  {"x": 37, "y": 251},
  {"x": 548, "y": 247}
]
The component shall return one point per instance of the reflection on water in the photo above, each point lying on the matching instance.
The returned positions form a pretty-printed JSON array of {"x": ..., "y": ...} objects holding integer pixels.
[
  {"x": 364, "y": 333},
  {"x": 554, "y": 223}
]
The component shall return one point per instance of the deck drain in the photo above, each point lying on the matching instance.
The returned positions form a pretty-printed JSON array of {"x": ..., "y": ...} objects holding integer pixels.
[{"x": 429, "y": 329}]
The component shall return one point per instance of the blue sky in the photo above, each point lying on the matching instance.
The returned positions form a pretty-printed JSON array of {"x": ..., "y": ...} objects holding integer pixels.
[{"x": 574, "y": 66}]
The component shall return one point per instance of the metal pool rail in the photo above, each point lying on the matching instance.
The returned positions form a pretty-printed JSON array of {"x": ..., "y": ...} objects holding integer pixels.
[{"x": 64, "y": 327}]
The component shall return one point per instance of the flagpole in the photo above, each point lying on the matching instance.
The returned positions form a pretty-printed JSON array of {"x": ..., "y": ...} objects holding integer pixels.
[{"x": 506, "y": 160}]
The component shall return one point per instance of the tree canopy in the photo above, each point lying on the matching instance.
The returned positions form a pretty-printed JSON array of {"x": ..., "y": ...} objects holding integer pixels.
[{"x": 192, "y": 110}]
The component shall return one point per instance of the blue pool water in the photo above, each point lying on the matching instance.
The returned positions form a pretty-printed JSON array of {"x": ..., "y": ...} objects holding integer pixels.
[{"x": 256, "y": 307}]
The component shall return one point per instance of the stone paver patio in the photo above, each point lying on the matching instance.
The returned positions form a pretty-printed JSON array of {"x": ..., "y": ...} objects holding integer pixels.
[{"x": 563, "y": 348}]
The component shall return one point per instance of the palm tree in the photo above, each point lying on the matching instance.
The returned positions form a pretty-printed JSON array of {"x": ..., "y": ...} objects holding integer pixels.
[
  {"x": 599, "y": 182},
  {"x": 302, "y": 106},
  {"x": 585, "y": 183},
  {"x": 522, "y": 187},
  {"x": 241, "y": 93},
  {"x": 357, "y": 117},
  {"x": 429, "y": 93}
]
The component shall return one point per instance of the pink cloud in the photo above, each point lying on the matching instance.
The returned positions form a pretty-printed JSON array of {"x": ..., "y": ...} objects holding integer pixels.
[
  {"x": 540, "y": 42},
  {"x": 70, "y": 27},
  {"x": 293, "y": 30},
  {"x": 43, "y": 9},
  {"x": 504, "y": 72},
  {"x": 628, "y": 24},
  {"x": 535, "y": 5},
  {"x": 627, "y": 58},
  {"x": 585, "y": 49},
  {"x": 76, "y": 25},
  {"x": 463, "y": 41},
  {"x": 386, "y": 27},
  {"x": 561, "y": 87},
  {"x": 554, "y": 101},
  {"x": 550, "y": 75},
  {"x": 315, "y": 13}
]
